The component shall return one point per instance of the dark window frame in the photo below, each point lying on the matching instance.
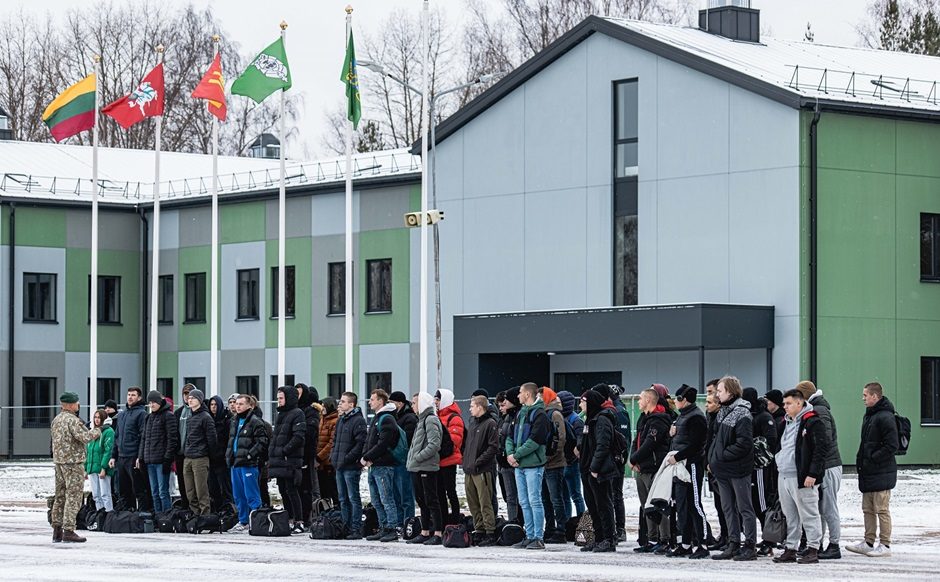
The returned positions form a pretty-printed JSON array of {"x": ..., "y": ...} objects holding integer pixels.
[
  {"x": 28, "y": 300},
  {"x": 336, "y": 308},
  {"x": 198, "y": 381},
  {"x": 623, "y": 140},
  {"x": 377, "y": 305},
  {"x": 165, "y": 298},
  {"x": 33, "y": 396},
  {"x": 290, "y": 291},
  {"x": 624, "y": 212},
  {"x": 103, "y": 281},
  {"x": 102, "y": 394},
  {"x": 194, "y": 289},
  {"x": 289, "y": 380},
  {"x": 165, "y": 387},
  {"x": 377, "y": 380},
  {"x": 336, "y": 385},
  {"x": 252, "y": 387},
  {"x": 247, "y": 311},
  {"x": 929, "y": 247},
  {"x": 930, "y": 390}
]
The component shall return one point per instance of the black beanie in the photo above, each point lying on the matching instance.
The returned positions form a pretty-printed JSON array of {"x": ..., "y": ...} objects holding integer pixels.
[
  {"x": 750, "y": 394},
  {"x": 595, "y": 402},
  {"x": 775, "y": 396},
  {"x": 687, "y": 392},
  {"x": 111, "y": 404},
  {"x": 603, "y": 390},
  {"x": 512, "y": 395},
  {"x": 155, "y": 396},
  {"x": 398, "y": 396},
  {"x": 480, "y": 392}
]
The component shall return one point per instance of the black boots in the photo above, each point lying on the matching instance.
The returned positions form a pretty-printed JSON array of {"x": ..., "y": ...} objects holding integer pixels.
[
  {"x": 729, "y": 552},
  {"x": 748, "y": 553}
]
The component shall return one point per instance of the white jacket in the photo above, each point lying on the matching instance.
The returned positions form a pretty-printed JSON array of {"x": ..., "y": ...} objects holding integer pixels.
[{"x": 661, "y": 489}]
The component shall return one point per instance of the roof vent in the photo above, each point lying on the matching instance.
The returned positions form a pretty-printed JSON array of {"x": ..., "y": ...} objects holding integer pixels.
[{"x": 734, "y": 19}]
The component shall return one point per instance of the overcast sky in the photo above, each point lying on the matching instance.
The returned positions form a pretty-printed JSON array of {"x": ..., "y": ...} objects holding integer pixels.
[{"x": 315, "y": 37}]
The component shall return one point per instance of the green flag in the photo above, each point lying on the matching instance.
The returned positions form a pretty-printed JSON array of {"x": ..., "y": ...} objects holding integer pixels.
[
  {"x": 350, "y": 78},
  {"x": 267, "y": 73}
]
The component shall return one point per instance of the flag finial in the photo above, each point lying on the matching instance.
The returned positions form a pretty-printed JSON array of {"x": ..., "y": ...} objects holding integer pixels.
[
  {"x": 283, "y": 25},
  {"x": 216, "y": 38},
  {"x": 159, "y": 48},
  {"x": 97, "y": 58},
  {"x": 349, "y": 9}
]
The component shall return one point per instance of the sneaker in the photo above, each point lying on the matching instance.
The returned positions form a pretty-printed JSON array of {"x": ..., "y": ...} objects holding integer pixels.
[
  {"x": 717, "y": 546},
  {"x": 538, "y": 544},
  {"x": 433, "y": 541},
  {"x": 487, "y": 540},
  {"x": 239, "y": 528},
  {"x": 523, "y": 544},
  {"x": 678, "y": 552},
  {"x": 728, "y": 553},
  {"x": 765, "y": 549},
  {"x": 787, "y": 557},
  {"x": 861, "y": 547},
  {"x": 588, "y": 547},
  {"x": 354, "y": 536},
  {"x": 700, "y": 554},
  {"x": 644, "y": 549},
  {"x": 418, "y": 539},
  {"x": 662, "y": 549},
  {"x": 604, "y": 547},
  {"x": 747, "y": 554},
  {"x": 810, "y": 557},
  {"x": 831, "y": 553},
  {"x": 391, "y": 535},
  {"x": 879, "y": 551},
  {"x": 298, "y": 528},
  {"x": 556, "y": 538}
]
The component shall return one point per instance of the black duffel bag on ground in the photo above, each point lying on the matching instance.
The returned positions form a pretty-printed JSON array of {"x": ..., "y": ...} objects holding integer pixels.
[
  {"x": 267, "y": 522},
  {"x": 123, "y": 522}
]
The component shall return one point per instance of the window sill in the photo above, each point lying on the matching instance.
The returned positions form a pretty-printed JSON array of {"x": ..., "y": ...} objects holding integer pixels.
[
  {"x": 933, "y": 423},
  {"x": 388, "y": 312},
  {"x": 109, "y": 323},
  {"x": 336, "y": 314},
  {"x": 164, "y": 323},
  {"x": 238, "y": 319},
  {"x": 930, "y": 279},
  {"x": 194, "y": 321},
  {"x": 275, "y": 318},
  {"x": 42, "y": 321}
]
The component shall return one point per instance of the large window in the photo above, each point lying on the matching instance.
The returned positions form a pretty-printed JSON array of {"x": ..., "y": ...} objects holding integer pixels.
[
  {"x": 288, "y": 290},
  {"x": 337, "y": 291},
  {"x": 379, "y": 285},
  {"x": 109, "y": 299},
  {"x": 195, "y": 298},
  {"x": 336, "y": 385},
  {"x": 930, "y": 247},
  {"x": 930, "y": 390},
  {"x": 247, "y": 293},
  {"x": 198, "y": 381},
  {"x": 247, "y": 385},
  {"x": 379, "y": 381},
  {"x": 165, "y": 298},
  {"x": 626, "y": 114},
  {"x": 288, "y": 381},
  {"x": 37, "y": 402},
  {"x": 625, "y": 133},
  {"x": 39, "y": 297},
  {"x": 165, "y": 387},
  {"x": 108, "y": 389}
]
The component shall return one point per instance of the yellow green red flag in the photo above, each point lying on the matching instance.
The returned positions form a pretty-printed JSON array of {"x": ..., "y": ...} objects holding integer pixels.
[{"x": 72, "y": 111}]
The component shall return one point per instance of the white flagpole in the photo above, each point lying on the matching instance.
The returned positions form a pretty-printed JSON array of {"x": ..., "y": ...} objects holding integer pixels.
[
  {"x": 214, "y": 303},
  {"x": 425, "y": 115},
  {"x": 281, "y": 243},
  {"x": 155, "y": 251},
  {"x": 93, "y": 315},
  {"x": 349, "y": 238}
]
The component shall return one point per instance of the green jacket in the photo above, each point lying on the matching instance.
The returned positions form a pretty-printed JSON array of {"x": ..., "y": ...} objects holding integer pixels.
[
  {"x": 98, "y": 453},
  {"x": 531, "y": 433}
]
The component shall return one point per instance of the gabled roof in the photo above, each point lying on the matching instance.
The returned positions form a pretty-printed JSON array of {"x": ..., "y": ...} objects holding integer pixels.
[{"x": 796, "y": 73}]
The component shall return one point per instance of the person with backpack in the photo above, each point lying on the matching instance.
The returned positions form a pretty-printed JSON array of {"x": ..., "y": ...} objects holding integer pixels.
[
  {"x": 404, "y": 491},
  {"x": 450, "y": 414},
  {"x": 383, "y": 442},
  {"x": 877, "y": 470},
  {"x": 347, "y": 450},
  {"x": 247, "y": 446},
  {"x": 200, "y": 445},
  {"x": 97, "y": 455},
  {"x": 326, "y": 474},
  {"x": 649, "y": 451},
  {"x": 220, "y": 476},
  {"x": 308, "y": 403},
  {"x": 557, "y": 512},
  {"x": 479, "y": 461},
  {"x": 508, "y": 402},
  {"x": 424, "y": 465},
  {"x": 525, "y": 451},
  {"x": 158, "y": 445},
  {"x": 182, "y": 414},
  {"x": 597, "y": 457},
  {"x": 128, "y": 426},
  {"x": 286, "y": 454},
  {"x": 574, "y": 428},
  {"x": 688, "y": 442},
  {"x": 612, "y": 394},
  {"x": 764, "y": 476}
]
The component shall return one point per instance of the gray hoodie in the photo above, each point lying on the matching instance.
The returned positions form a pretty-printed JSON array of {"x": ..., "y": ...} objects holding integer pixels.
[
  {"x": 424, "y": 453},
  {"x": 786, "y": 458}
]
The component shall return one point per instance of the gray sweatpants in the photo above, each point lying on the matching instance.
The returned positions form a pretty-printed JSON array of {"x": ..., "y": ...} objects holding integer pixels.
[
  {"x": 801, "y": 506},
  {"x": 829, "y": 503},
  {"x": 738, "y": 510}
]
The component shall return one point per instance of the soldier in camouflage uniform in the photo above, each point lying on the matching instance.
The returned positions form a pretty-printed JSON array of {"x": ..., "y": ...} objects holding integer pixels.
[{"x": 69, "y": 437}]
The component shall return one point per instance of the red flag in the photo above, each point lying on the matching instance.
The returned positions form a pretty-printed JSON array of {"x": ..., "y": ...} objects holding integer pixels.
[
  {"x": 146, "y": 101},
  {"x": 212, "y": 89}
]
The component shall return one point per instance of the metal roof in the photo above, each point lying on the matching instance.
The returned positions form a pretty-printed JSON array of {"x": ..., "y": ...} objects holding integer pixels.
[{"x": 48, "y": 171}]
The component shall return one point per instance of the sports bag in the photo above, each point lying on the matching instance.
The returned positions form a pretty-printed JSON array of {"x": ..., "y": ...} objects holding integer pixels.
[
  {"x": 584, "y": 533},
  {"x": 208, "y": 523},
  {"x": 456, "y": 536},
  {"x": 328, "y": 526},
  {"x": 123, "y": 522},
  {"x": 370, "y": 520},
  {"x": 267, "y": 522},
  {"x": 904, "y": 433},
  {"x": 774, "y": 528},
  {"x": 412, "y": 528},
  {"x": 400, "y": 452},
  {"x": 95, "y": 520},
  {"x": 511, "y": 533}
]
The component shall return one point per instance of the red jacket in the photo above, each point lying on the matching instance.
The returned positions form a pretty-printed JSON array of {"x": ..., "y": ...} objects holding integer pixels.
[{"x": 453, "y": 422}]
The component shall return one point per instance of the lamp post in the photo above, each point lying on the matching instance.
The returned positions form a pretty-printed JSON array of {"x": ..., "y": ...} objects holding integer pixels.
[{"x": 482, "y": 79}]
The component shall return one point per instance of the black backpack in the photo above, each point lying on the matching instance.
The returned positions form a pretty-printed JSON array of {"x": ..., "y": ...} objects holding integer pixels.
[
  {"x": 267, "y": 522},
  {"x": 904, "y": 433},
  {"x": 85, "y": 512},
  {"x": 412, "y": 528},
  {"x": 571, "y": 442},
  {"x": 123, "y": 522},
  {"x": 456, "y": 536},
  {"x": 551, "y": 446},
  {"x": 94, "y": 521},
  {"x": 447, "y": 443},
  {"x": 619, "y": 447},
  {"x": 511, "y": 533},
  {"x": 370, "y": 520}
]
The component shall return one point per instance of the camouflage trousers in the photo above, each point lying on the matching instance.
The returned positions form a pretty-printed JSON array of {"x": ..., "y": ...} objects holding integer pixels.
[{"x": 69, "y": 485}]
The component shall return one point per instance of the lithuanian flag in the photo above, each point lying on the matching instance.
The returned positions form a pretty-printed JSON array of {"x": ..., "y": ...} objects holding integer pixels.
[{"x": 73, "y": 110}]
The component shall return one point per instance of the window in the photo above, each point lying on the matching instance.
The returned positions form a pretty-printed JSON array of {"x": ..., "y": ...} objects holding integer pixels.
[
  {"x": 195, "y": 298},
  {"x": 247, "y": 385},
  {"x": 337, "y": 298},
  {"x": 165, "y": 387},
  {"x": 288, "y": 381},
  {"x": 930, "y": 390},
  {"x": 198, "y": 381},
  {"x": 288, "y": 291},
  {"x": 578, "y": 382},
  {"x": 39, "y": 297},
  {"x": 626, "y": 114},
  {"x": 379, "y": 285},
  {"x": 337, "y": 384},
  {"x": 109, "y": 299},
  {"x": 108, "y": 389},
  {"x": 930, "y": 247},
  {"x": 37, "y": 402},
  {"x": 379, "y": 381},
  {"x": 247, "y": 293},
  {"x": 165, "y": 298},
  {"x": 625, "y": 243}
]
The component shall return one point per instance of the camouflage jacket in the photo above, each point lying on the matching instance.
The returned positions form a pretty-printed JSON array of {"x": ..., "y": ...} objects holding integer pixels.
[{"x": 69, "y": 437}]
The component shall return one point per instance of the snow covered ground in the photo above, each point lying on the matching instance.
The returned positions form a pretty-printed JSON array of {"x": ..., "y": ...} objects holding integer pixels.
[{"x": 27, "y": 554}]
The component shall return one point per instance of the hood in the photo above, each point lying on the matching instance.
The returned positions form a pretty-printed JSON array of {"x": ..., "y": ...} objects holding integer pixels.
[
  {"x": 608, "y": 404},
  {"x": 163, "y": 406},
  {"x": 221, "y": 408},
  {"x": 454, "y": 408},
  {"x": 107, "y": 421},
  {"x": 290, "y": 398},
  {"x": 425, "y": 401},
  {"x": 568, "y": 402},
  {"x": 306, "y": 398},
  {"x": 595, "y": 403},
  {"x": 446, "y": 396},
  {"x": 356, "y": 410},
  {"x": 554, "y": 404},
  {"x": 807, "y": 408},
  {"x": 258, "y": 412},
  {"x": 883, "y": 404},
  {"x": 539, "y": 403},
  {"x": 389, "y": 407}
]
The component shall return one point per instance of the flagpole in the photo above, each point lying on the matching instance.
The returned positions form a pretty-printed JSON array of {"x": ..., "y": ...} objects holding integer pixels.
[
  {"x": 281, "y": 242},
  {"x": 349, "y": 238},
  {"x": 214, "y": 303},
  {"x": 155, "y": 265},
  {"x": 93, "y": 279},
  {"x": 425, "y": 94}
]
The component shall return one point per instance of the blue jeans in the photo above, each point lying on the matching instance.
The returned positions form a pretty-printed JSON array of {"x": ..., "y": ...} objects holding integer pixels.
[
  {"x": 555, "y": 480},
  {"x": 404, "y": 493},
  {"x": 573, "y": 486},
  {"x": 246, "y": 491},
  {"x": 382, "y": 492},
  {"x": 159, "y": 487},
  {"x": 350, "y": 503},
  {"x": 529, "y": 485}
]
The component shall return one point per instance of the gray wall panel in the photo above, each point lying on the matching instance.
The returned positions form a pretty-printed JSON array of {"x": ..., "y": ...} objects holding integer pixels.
[
  {"x": 297, "y": 217},
  {"x": 330, "y": 330},
  {"x": 494, "y": 257},
  {"x": 195, "y": 226},
  {"x": 555, "y": 249},
  {"x": 384, "y": 209},
  {"x": 598, "y": 281},
  {"x": 329, "y": 213},
  {"x": 40, "y": 337},
  {"x": 247, "y": 334},
  {"x": 494, "y": 149},
  {"x": 35, "y": 441}
]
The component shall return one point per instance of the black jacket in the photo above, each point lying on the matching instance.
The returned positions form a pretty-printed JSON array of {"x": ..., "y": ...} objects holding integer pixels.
[
  {"x": 652, "y": 440},
  {"x": 780, "y": 422},
  {"x": 312, "y": 421},
  {"x": 506, "y": 428},
  {"x": 252, "y": 441},
  {"x": 223, "y": 425},
  {"x": 481, "y": 442},
  {"x": 875, "y": 462},
  {"x": 824, "y": 410},
  {"x": 128, "y": 426},
  {"x": 732, "y": 448},
  {"x": 160, "y": 438},
  {"x": 812, "y": 446},
  {"x": 201, "y": 439},
  {"x": 349, "y": 440},
  {"x": 286, "y": 449},
  {"x": 408, "y": 421},
  {"x": 595, "y": 446},
  {"x": 381, "y": 438},
  {"x": 764, "y": 426},
  {"x": 691, "y": 431}
]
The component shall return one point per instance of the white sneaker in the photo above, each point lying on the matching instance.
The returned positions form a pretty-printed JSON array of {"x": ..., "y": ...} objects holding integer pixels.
[
  {"x": 861, "y": 547},
  {"x": 880, "y": 551},
  {"x": 239, "y": 528}
]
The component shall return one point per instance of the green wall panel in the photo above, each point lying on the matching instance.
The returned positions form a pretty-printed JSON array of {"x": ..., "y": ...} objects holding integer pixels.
[
  {"x": 40, "y": 227},
  {"x": 124, "y": 338},
  {"x": 394, "y": 327},
  {"x": 915, "y": 340},
  {"x": 298, "y": 252},
  {"x": 855, "y": 142},
  {"x": 916, "y": 300},
  {"x": 193, "y": 336},
  {"x": 242, "y": 222},
  {"x": 331, "y": 360},
  {"x": 168, "y": 365},
  {"x": 918, "y": 149}
]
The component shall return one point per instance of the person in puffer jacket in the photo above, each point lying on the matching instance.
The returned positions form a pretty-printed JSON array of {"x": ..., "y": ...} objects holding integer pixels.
[
  {"x": 158, "y": 443},
  {"x": 326, "y": 474},
  {"x": 573, "y": 468},
  {"x": 97, "y": 455},
  {"x": 308, "y": 402},
  {"x": 450, "y": 414},
  {"x": 220, "y": 478},
  {"x": 347, "y": 450},
  {"x": 379, "y": 457},
  {"x": 731, "y": 460},
  {"x": 509, "y": 405},
  {"x": 200, "y": 445},
  {"x": 424, "y": 465},
  {"x": 247, "y": 446},
  {"x": 649, "y": 451},
  {"x": 599, "y": 470},
  {"x": 286, "y": 453}
]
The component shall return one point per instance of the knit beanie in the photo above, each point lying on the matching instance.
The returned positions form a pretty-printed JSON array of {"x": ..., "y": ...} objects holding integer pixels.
[
  {"x": 775, "y": 396},
  {"x": 198, "y": 395},
  {"x": 398, "y": 396},
  {"x": 806, "y": 388},
  {"x": 154, "y": 396}
]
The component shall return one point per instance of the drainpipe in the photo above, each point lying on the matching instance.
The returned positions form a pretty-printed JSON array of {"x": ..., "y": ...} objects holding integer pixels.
[
  {"x": 12, "y": 347},
  {"x": 813, "y": 256},
  {"x": 144, "y": 296}
]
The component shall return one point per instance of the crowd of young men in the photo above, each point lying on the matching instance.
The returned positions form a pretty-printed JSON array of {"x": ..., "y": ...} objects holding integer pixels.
[{"x": 552, "y": 456}]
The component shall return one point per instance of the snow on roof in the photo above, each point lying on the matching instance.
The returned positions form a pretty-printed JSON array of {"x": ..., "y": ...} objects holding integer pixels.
[
  {"x": 63, "y": 172},
  {"x": 834, "y": 73}
]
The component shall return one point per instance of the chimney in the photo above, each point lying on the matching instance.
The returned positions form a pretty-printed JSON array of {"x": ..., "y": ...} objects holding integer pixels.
[
  {"x": 734, "y": 19},
  {"x": 5, "y": 132}
]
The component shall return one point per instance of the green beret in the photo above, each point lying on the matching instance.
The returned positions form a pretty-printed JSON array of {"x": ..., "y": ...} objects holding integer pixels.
[{"x": 68, "y": 398}]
